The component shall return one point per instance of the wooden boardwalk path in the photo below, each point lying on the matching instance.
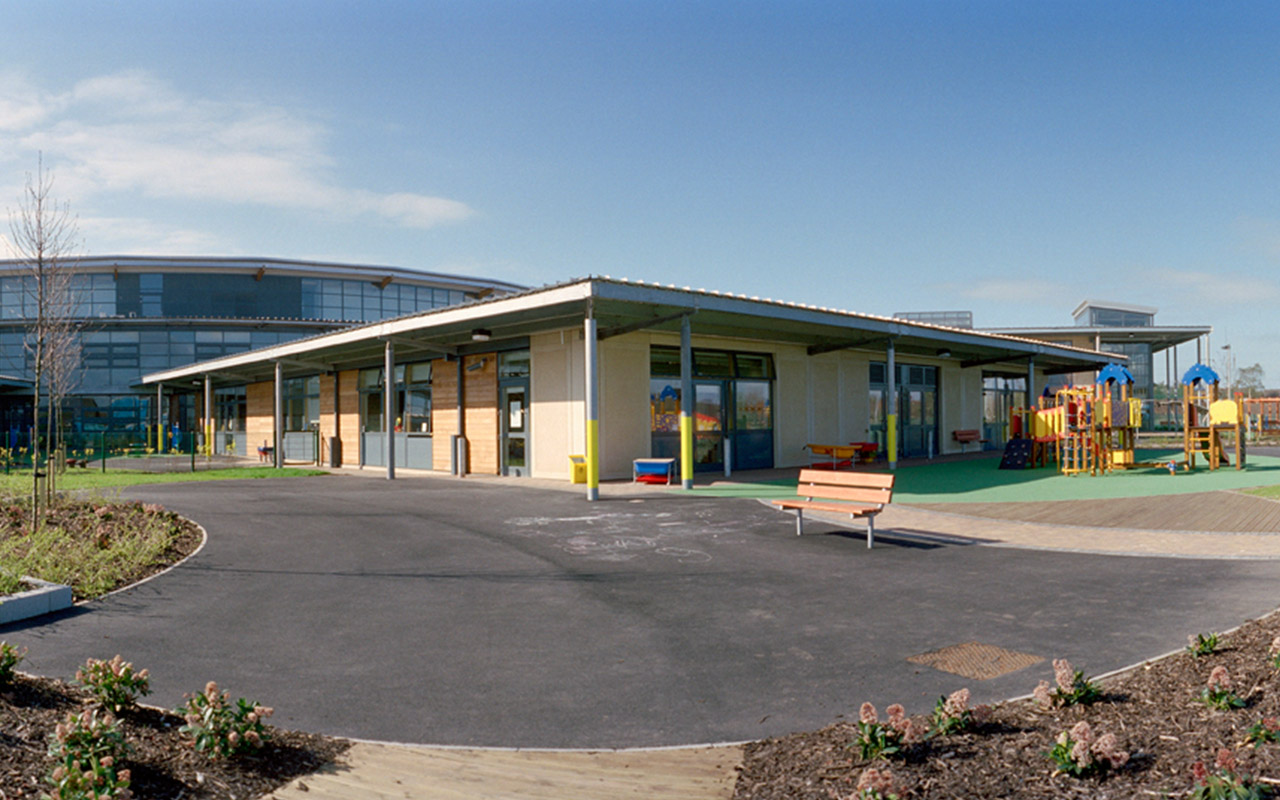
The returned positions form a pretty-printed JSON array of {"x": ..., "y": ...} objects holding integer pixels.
[{"x": 394, "y": 772}]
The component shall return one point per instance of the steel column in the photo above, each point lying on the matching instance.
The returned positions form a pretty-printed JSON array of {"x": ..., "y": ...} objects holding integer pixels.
[
  {"x": 277, "y": 453},
  {"x": 337, "y": 420},
  {"x": 686, "y": 404},
  {"x": 592, "y": 406},
  {"x": 891, "y": 418},
  {"x": 208, "y": 415},
  {"x": 159, "y": 417},
  {"x": 389, "y": 406}
]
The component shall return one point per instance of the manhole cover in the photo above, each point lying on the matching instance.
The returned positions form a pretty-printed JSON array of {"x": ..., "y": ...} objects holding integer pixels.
[{"x": 976, "y": 660}]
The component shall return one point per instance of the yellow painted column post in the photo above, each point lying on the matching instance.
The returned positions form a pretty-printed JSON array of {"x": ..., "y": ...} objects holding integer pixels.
[
  {"x": 891, "y": 418},
  {"x": 159, "y": 417},
  {"x": 592, "y": 406},
  {"x": 208, "y": 416},
  {"x": 686, "y": 403}
]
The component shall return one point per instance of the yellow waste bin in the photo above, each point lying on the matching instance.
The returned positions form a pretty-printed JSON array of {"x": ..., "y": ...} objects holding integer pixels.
[{"x": 578, "y": 469}]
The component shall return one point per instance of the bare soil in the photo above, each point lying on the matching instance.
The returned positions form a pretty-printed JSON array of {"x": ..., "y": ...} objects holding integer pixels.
[{"x": 1153, "y": 710}]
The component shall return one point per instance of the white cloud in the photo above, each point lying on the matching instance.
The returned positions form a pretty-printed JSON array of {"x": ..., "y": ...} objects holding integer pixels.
[
  {"x": 131, "y": 132},
  {"x": 1021, "y": 290},
  {"x": 117, "y": 235},
  {"x": 1217, "y": 289}
]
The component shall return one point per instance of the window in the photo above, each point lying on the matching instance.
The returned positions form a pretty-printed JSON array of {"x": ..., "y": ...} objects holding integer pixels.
[{"x": 301, "y": 398}]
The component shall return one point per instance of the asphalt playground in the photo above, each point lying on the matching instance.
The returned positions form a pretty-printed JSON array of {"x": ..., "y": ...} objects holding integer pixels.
[{"x": 490, "y": 613}]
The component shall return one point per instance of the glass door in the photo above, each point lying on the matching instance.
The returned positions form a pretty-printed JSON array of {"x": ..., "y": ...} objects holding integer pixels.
[
  {"x": 708, "y": 425},
  {"x": 752, "y": 424},
  {"x": 515, "y": 428}
]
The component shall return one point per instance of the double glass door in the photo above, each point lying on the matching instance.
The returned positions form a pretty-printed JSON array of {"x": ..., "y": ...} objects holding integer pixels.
[{"x": 737, "y": 414}]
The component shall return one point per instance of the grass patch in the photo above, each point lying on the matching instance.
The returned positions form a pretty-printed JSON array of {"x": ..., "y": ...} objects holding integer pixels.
[
  {"x": 93, "y": 546},
  {"x": 90, "y": 479},
  {"x": 1269, "y": 492}
]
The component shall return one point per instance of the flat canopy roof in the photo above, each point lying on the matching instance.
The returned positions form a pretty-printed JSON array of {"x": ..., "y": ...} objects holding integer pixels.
[
  {"x": 619, "y": 307},
  {"x": 1160, "y": 337}
]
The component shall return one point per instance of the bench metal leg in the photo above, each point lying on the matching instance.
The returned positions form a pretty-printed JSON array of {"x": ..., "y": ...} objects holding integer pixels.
[
  {"x": 871, "y": 531},
  {"x": 799, "y": 521}
]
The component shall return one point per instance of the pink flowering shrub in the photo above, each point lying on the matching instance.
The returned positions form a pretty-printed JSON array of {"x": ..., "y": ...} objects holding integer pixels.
[
  {"x": 875, "y": 784},
  {"x": 1225, "y": 783},
  {"x": 114, "y": 683},
  {"x": 86, "y": 747},
  {"x": 1218, "y": 692},
  {"x": 219, "y": 729},
  {"x": 10, "y": 657},
  {"x": 878, "y": 740},
  {"x": 1079, "y": 753},
  {"x": 1073, "y": 688},
  {"x": 952, "y": 714},
  {"x": 1202, "y": 644},
  {"x": 1266, "y": 729}
]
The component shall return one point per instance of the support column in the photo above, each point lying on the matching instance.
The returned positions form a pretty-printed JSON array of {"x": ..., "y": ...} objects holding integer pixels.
[
  {"x": 389, "y": 406},
  {"x": 277, "y": 453},
  {"x": 1199, "y": 354},
  {"x": 337, "y": 421},
  {"x": 459, "y": 447},
  {"x": 1029, "y": 423},
  {"x": 159, "y": 417},
  {"x": 891, "y": 418},
  {"x": 208, "y": 416},
  {"x": 592, "y": 407},
  {"x": 686, "y": 404}
]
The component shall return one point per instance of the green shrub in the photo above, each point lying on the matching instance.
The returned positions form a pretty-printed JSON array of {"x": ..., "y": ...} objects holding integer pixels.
[
  {"x": 10, "y": 657},
  {"x": 219, "y": 729},
  {"x": 114, "y": 683},
  {"x": 86, "y": 747}
]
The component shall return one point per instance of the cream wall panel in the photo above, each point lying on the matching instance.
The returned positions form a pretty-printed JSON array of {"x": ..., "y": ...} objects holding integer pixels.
[
  {"x": 624, "y": 404},
  {"x": 855, "y": 383},
  {"x": 824, "y": 391},
  {"x": 558, "y": 392},
  {"x": 790, "y": 407}
]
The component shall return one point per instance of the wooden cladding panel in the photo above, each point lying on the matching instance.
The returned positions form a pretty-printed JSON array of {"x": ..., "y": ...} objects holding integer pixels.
[
  {"x": 349, "y": 416},
  {"x": 480, "y": 412},
  {"x": 260, "y": 425},
  {"x": 444, "y": 411}
]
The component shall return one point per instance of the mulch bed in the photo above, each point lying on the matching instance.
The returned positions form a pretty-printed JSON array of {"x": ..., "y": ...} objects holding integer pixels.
[
  {"x": 1152, "y": 709},
  {"x": 162, "y": 763},
  {"x": 107, "y": 521}
]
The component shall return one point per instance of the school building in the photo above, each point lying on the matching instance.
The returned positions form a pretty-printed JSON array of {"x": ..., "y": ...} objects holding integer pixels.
[{"x": 613, "y": 370}]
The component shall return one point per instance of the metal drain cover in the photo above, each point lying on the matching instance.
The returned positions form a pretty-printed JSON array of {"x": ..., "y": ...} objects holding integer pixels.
[{"x": 976, "y": 660}]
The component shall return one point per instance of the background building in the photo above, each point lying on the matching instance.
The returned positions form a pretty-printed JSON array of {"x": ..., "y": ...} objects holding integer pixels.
[{"x": 143, "y": 314}]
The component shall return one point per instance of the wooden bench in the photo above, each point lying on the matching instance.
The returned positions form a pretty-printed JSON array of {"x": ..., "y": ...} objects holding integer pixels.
[
  {"x": 858, "y": 494},
  {"x": 967, "y": 437}
]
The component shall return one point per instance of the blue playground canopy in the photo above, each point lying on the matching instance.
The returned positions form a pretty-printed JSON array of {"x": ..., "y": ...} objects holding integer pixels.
[
  {"x": 1115, "y": 372},
  {"x": 1199, "y": 372}
]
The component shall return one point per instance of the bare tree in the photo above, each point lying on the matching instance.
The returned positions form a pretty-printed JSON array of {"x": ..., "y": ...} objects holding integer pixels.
[{"x": 44, "y": 238}]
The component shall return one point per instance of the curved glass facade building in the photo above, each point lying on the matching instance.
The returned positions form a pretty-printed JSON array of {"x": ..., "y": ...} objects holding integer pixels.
[{"x": 141, "y": 314}]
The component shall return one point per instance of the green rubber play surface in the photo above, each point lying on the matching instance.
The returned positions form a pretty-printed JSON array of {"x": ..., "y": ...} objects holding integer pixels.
[{"x": 981, "y": 481}]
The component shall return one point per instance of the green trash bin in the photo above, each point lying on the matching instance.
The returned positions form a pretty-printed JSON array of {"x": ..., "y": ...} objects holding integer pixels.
[{"x": 578, "y": 469}]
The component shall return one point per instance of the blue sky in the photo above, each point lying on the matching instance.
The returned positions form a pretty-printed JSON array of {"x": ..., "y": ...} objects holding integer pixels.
[{"x": 1008, "y": 158}]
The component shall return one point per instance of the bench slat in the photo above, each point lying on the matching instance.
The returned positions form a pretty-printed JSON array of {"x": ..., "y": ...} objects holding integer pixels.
[
  {"x": 879, "y": 480},
  {"x": 839, "y": 508},
  {"x": 853, "y": 494}
]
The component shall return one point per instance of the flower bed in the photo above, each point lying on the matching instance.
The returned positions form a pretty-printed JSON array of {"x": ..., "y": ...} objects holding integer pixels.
[{"x": 1167, "y": 728}]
